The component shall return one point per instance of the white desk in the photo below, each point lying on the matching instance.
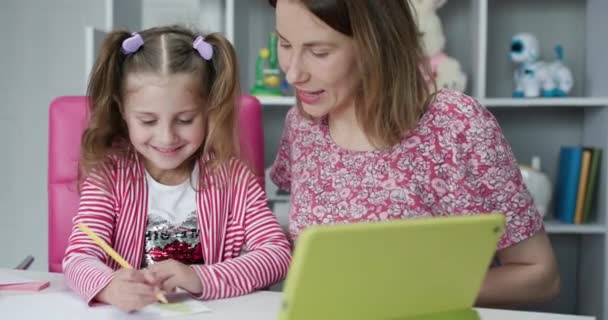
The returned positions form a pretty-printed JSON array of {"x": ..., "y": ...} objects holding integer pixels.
[{"x": 263, "y": 305}]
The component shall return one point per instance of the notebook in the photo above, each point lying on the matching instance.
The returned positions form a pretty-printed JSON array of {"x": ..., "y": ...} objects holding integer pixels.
[
  {"x": 17, "y": 283},
  {"x": 426, "y": 268}
]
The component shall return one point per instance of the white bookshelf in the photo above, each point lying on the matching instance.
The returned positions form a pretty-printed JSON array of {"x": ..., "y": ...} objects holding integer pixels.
[
  {"x": 478, "y": 34},
  {"x": 277, "y": 101},
  {"x": 545, "y": 102},
  {"x": 557, "y": 227},
  {"x": 288, "y": 101},
  {"x": 540, "y": 126}
]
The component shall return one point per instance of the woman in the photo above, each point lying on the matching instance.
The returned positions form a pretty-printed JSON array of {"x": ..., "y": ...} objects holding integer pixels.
[{"x": 368, "y": 140}]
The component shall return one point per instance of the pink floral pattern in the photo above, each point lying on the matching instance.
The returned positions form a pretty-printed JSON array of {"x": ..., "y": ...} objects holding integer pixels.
[{"x": 455, "y": 162}]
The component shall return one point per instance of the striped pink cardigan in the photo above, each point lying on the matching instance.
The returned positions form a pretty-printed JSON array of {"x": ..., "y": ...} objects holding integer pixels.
[{"x": 233, "y": 218}]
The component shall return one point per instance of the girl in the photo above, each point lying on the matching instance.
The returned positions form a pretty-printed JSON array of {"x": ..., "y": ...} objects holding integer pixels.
[
  {"x": 161, "y": 184},
  {"x": 367, "y": 140}
]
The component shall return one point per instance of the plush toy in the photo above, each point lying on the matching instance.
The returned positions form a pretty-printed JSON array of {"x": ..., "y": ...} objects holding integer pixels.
[
  {"x": 446, "y": 70},
  {"x": 533, "y": 77}
]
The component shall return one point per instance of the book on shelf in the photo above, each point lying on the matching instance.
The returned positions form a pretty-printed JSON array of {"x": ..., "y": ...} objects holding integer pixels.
[
  {"x": 594, "y": 173},
  {"x": 582, "y": 186},
  {"x": 577, "y": 179}
]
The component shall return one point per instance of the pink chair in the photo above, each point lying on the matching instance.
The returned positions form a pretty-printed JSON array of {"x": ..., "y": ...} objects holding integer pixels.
[{"x": 67, "y": 121}]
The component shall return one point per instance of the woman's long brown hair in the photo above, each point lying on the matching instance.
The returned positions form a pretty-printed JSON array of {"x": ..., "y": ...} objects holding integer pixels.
[{"x": 395, "y": 89}]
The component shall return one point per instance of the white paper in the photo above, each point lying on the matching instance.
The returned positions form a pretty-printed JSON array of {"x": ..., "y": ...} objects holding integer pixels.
[
  {"x": 66, "y": 305},
  {"x": 13, "y": 279}
]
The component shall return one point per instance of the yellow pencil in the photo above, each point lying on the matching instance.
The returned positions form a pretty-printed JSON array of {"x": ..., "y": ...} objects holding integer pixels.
[{"x": 120, "y": 260}]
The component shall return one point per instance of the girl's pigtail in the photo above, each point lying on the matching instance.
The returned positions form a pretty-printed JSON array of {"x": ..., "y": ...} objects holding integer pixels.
[
  {"x": 103, "y": 92},
  {"x": 224, "y": 92}
]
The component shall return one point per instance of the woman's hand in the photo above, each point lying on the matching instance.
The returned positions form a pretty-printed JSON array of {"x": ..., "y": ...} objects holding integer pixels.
[
  {"x": 171, "y": 274},
  {"x": 129, "y": 290}
]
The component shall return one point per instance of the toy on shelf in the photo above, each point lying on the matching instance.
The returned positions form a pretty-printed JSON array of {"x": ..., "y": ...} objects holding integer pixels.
[
  {"x": 268, "y": 78},
  {"x": 446, "y": 70},
  {"x": 533, "y": 77}
]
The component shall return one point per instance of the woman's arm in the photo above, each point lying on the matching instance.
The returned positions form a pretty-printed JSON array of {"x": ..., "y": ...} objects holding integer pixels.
[
  {"x": 527, "y": 275},
  {"x": 528, "y": 271}
]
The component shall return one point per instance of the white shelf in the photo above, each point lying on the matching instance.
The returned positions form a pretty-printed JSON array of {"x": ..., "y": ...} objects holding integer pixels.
[
  {"x": 554, "y": 227},
  {"x": 277, "y": 101},
  {"x": 488, "y": 102},
  {"x": 545, "y": 102}
]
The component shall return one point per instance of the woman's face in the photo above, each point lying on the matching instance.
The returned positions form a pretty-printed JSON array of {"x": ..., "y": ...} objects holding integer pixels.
[{"x": 319, "y": 62}]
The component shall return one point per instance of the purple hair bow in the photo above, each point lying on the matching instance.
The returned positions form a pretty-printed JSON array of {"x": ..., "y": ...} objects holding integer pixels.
[
  {"x": 132, "y": 43},
  {"x": 203, "y": 47}
]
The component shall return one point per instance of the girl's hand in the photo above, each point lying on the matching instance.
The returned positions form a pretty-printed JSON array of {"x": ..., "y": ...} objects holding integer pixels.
[
  {"x": 129, "y": 290},
  {"x": 172, "y": 274}
]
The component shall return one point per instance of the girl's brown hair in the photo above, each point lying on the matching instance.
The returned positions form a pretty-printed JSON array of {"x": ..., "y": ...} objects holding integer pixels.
[
  {"x": 166, "y": 51},
  {"x": 395, "y": 88}
]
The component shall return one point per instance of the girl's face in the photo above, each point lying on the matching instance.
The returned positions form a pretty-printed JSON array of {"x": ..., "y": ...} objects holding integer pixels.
[
  {"x": 165, "y": 121},
  {"x": 318, "y": 61}
]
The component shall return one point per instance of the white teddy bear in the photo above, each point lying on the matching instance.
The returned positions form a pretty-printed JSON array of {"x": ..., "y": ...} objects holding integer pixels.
[{"x": 446, "y": 70}]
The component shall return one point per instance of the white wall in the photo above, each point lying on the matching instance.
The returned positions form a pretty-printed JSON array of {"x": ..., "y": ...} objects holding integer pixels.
[
  {"x": 42, "y": 57},
  {"x": 204, "y": 15}
]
